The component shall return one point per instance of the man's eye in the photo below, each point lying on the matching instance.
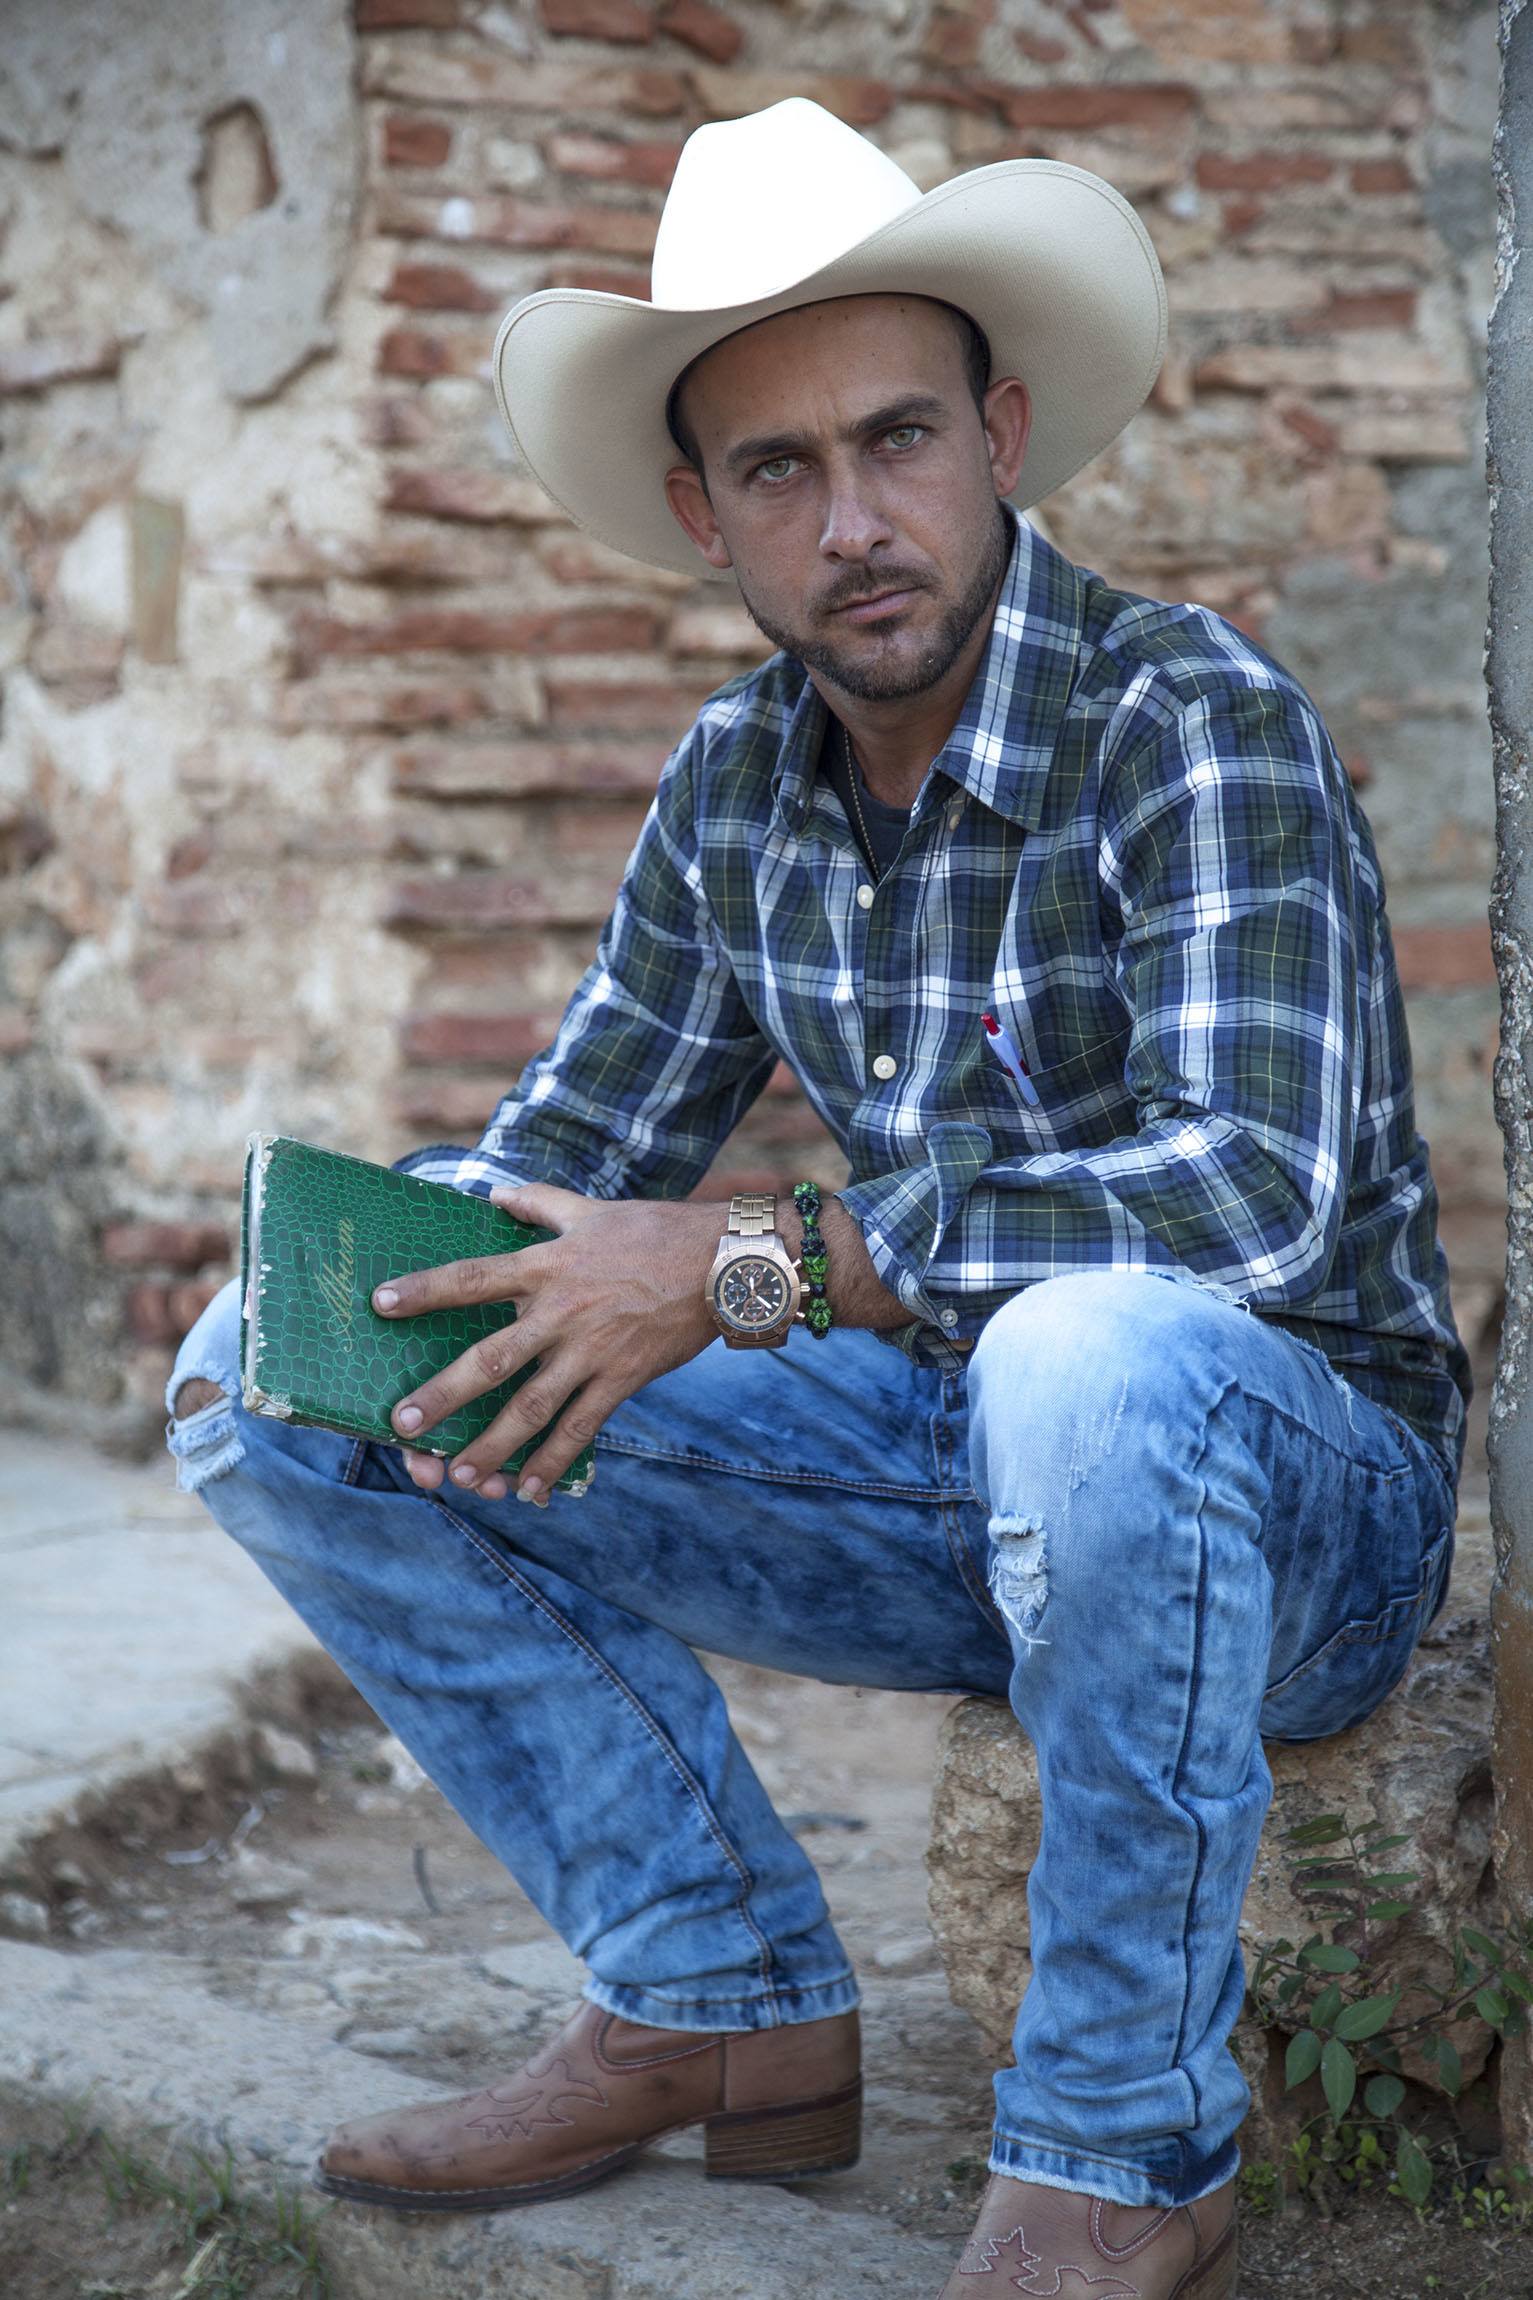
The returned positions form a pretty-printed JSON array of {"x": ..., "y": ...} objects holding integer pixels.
[
  {"x": 777, "y": 468},
  {"x": 905, "y": 434}
]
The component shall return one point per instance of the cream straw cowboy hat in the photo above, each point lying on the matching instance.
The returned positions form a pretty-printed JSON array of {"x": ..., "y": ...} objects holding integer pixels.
[{"x": 788, "y": 207}]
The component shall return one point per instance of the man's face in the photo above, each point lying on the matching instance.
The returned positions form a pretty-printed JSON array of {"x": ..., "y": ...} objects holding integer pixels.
[{"x": 853, "y": 485}]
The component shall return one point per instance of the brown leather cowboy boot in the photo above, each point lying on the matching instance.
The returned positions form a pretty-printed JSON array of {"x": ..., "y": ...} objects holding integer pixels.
[
  {"x": 774, "y": 2104},
  {"x": 1047, "y": 2240}
]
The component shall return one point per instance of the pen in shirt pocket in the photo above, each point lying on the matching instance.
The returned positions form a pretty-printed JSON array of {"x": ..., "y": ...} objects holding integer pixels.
[{"x": 1004, "y": 1047}]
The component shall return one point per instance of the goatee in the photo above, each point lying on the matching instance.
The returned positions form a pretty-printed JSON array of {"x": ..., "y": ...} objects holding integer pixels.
[{"x": 863, "y": 676}]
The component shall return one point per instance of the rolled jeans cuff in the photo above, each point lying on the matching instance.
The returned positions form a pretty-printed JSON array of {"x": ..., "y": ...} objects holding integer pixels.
[
  {"x": 783, "y": 2008},
  {"x": 1168, "y": 2176}
]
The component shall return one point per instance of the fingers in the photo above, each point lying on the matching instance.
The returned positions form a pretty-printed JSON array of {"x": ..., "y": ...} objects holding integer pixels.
[
  {"x": 479, "y": 1466},
  {"x": 492, "y": 1360},
  {"x": 426, "y": 1470},
  {"x": 459, "y": 1285},
  {"x": 542, "y": 1205}
]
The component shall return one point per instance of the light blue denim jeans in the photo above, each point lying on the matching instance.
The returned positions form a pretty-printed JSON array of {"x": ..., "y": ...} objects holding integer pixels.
[{"x": 1155, "y": 1524}]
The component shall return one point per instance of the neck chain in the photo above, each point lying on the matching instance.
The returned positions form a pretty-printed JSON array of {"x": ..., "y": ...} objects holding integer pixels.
[{"x": 862, "y": 820}]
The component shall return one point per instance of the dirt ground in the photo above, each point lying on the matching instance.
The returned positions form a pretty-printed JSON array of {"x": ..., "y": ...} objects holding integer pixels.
[{"x": 335, "y": 1889}]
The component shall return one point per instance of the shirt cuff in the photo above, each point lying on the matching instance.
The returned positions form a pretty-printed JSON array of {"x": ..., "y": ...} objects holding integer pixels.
[
  {"x": 904, "y": 1218},
  {"x": 475, "y": 1172}
]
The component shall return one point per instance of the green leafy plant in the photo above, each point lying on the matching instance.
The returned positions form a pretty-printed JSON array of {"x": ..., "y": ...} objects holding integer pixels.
[{"x": 1352, "y": 2033}]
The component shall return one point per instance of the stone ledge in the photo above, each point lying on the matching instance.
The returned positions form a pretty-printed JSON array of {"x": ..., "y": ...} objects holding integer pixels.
[{"x": 1419, "y": 1766}]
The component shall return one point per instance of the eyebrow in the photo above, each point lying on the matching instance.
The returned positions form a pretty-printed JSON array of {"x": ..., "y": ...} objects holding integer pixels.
[{"x": 918, "y": 407}]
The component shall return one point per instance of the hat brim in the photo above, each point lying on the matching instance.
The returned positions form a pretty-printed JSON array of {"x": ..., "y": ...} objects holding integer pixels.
[{"x": 1052, "y": 263}]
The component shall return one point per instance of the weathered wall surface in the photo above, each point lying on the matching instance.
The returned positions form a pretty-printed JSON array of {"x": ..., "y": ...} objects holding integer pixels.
[{"x": 324, "y": 738}]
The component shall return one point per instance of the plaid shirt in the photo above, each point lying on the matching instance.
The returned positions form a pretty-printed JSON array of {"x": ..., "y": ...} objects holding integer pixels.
[{"x": 1139, "y": 849}]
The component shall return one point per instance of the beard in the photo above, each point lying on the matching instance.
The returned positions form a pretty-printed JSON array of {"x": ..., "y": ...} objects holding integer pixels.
[{"x": 856, "y": 669}]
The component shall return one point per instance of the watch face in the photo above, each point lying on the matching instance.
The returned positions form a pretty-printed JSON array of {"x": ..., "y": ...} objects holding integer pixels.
[{"x": 752, "y": 1294}]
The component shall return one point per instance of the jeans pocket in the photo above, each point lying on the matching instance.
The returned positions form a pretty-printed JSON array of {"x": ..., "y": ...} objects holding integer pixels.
[{"x": 1344, "y": 1680}]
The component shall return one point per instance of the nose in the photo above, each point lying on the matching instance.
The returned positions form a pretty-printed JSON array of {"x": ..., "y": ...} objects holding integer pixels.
[{"x": 854, "y": 525}]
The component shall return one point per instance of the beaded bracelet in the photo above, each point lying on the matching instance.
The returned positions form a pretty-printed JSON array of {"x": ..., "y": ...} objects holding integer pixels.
[{"x": 818, "y": 1315}]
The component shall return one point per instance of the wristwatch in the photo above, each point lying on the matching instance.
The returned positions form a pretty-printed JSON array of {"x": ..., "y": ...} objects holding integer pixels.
[{"x": 754, "y": 1286}]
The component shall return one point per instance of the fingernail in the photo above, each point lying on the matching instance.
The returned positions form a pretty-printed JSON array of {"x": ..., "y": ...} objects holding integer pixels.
[
  {"x": 522, "y": 1494},
  {"x": 385, "y": 1299},
  {"x": 409, "y": 1418},
  {"x": 464, "y": 1473},
  {"x": 494, "y": 1489}
]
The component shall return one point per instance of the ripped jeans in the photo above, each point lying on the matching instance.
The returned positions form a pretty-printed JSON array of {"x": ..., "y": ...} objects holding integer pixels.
[{"x": 1159, "y": 1526}]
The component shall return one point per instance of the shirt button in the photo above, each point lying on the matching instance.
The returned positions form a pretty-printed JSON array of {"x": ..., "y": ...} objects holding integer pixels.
[
  {"x": 955, "y": 816},
  {"x": 884, "y": 1066},
  {"x": 865, "y": 898},
  {"x": 950, "y": 1317}
]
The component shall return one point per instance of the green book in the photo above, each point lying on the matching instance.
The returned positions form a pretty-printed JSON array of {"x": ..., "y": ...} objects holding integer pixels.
[{"x": 319, "y": 1232}]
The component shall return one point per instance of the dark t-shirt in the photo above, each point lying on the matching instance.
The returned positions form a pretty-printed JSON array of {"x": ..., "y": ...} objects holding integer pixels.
[{"x": 886, "y": 825}]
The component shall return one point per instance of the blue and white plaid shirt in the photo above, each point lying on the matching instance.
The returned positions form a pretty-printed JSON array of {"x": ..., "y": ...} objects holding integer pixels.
[{"x": 1139, "y": 849}]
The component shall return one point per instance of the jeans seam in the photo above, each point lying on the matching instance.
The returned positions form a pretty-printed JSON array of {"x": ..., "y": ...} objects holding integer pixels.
[
  {"x": 666, "y": 1746},
  {"x": 1181, "y": 1759},
  {"x": 691, "y": 1459},
  {"x": 949, "y": 1505}
]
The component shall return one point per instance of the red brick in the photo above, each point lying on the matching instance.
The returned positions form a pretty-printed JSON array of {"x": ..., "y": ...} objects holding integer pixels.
[
  {"x": 624, "y": 706},
  {"x": 148, "y": 1310},
  {"x": 15, "y": 1030},
  {"x": 485, "y": 498},
  {"x": 503, "y": 220},
  {"x": 187, "y": 1302},
  {"x": 1262, "y": 171},
  {"x": 612, "y": 160},
  {"x": 164, "y": 1245},
  {"x": 602, "y": 279},
  {"x": 1038, "y": 48},
  {"x": 1382, "y": 177},
  {"x": 622, "y": 20},
  {"x": 377, "y": 703},
  {"x": 397, "y": 421},
  {"x": 440, "y": 287},
  {"x": 1366, "y": 308},
  {"x": 1445, "y": 957},
  {"x": 411, "y": 351},
  {"x": 529, "y": 770},
  {"x": 407, "y": 15},
  {"x": 200, "y": 906},
  {"x": 1106, "y": 106},
  {"x": 954, "y": 34},
  {"x": 189, "y": 855},
  {"x": 729, "y": 94},
  {"x": 504, "y": 1040},
  {"x": 453, "y": 1108},
  {"x": 698, "y": 24},
  {"x": 411, "y": 142},
  {"x": 482, "y": 901},
  {"x": 473, "y": 631},
  {"x": 1313, "y": 429},
  {"x": 1238, "y": 216}
]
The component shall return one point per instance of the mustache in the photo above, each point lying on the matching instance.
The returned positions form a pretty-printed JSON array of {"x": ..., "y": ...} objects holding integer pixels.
[{"x": 859, "y": 584}]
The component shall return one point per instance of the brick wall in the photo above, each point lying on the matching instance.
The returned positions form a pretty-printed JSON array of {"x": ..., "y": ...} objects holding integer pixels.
[{"x": 325, "y": 737}]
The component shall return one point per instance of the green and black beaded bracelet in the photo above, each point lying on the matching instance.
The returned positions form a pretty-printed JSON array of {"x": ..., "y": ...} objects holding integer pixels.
[{"x": 814, "y": 1261}]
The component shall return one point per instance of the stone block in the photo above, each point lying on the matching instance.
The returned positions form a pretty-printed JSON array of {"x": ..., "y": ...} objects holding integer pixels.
[{"x": 1419, "y": 1766}]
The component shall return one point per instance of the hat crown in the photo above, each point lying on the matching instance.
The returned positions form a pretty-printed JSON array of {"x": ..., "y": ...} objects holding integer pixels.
[{"x": 759, "y": 203}]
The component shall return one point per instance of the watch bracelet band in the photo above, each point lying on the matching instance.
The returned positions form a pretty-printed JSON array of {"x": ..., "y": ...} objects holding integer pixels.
[{"x": 752, "y": 1214}]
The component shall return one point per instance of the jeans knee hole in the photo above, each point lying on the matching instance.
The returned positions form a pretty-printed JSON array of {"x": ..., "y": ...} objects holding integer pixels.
[{"x": 1019, "y": 1575}]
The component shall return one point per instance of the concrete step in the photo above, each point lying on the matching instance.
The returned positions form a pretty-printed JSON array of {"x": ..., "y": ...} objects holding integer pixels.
[{"x": 162, "y": 2059}]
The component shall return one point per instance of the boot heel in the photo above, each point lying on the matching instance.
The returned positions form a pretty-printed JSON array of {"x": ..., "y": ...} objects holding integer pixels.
[{"x": 786, "y": 2143}]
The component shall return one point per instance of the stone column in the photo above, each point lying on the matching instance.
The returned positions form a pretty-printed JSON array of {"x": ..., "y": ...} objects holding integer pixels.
[{"x": 1509, "y": 672}]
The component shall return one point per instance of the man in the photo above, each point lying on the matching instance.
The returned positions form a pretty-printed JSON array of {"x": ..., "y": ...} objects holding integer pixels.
[{"x": 1058, "y": 904}]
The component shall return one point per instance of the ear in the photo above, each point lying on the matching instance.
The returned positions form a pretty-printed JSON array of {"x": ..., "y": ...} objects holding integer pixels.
[
  {"x": 1008, "y": 420},
  {"x": 692, "y": 511}
]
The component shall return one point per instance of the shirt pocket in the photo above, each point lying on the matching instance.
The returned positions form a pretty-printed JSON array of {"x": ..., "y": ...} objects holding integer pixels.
[{"x": 1083, "y": 1101}]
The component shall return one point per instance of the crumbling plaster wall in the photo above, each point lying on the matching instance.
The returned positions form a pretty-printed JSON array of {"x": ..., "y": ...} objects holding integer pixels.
[{"x": 323, "y": 737}]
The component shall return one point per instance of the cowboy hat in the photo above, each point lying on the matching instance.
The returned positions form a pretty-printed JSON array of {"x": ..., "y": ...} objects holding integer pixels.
[{"x": 787, "y": 207}]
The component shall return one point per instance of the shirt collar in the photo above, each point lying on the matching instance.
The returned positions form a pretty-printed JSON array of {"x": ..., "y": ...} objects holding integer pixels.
[{"x": 1003, "y": 742}]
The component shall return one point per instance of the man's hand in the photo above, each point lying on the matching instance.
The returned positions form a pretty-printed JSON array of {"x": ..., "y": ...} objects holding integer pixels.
[{"x": 610, "y": 1303}]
